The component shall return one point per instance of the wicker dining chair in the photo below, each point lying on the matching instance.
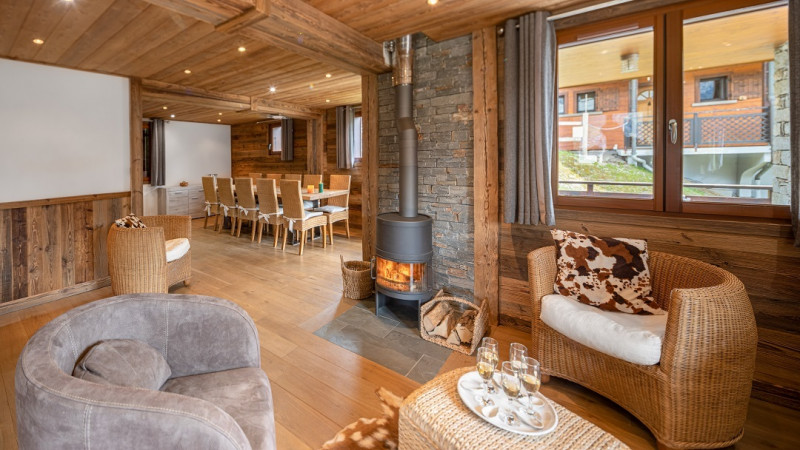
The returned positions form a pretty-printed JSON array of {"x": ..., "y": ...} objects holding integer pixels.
[
  {"x": 255, "y": 175},
  {"x": 310, "y": 179},
  {"x": 275, "y": 176},
  {"x": 297, "y": 218},
  {"x": 212, "y": 201},
  {"x": 697, "y": 395},
  {"x": 337, "y": 207},
  {"x": 293, "y": 176},
  {"x": 227, "y": 202},
  {"x": 269, "y": 211},
  {"x": 137, "y": 257},
  {"x": 246, "y": 204}
]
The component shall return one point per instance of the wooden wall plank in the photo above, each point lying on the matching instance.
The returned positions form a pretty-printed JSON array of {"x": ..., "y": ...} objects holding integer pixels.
[
  {"x": 36, "y": 224},
  {"x": 84, "y": 243},
  {"x": 19, "y": 254},
  {"x": 51, "y": 250},
  {"x": 369, "y": 141},
  {"x": 66, "y": 239},
  {"x": 484, "y": 82},
  {"x": 6, "y": 291},
  {"x": 137, "y": 149},
  {"x": 249, "y": 152}
]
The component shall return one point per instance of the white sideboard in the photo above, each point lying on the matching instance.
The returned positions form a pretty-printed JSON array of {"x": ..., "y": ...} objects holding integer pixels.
[{"x": 180, "y": 200}]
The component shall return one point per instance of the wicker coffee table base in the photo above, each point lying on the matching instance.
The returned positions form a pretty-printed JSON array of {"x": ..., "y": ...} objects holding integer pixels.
[{"x": 434, "y": 416}]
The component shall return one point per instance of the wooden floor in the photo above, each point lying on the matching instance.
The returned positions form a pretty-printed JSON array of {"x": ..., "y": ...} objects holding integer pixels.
[{"x": 318, "y": 387}]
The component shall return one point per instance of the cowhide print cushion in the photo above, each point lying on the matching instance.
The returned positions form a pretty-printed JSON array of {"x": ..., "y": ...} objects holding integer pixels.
[
  {"x": 609, "y": 273},
  {"x": 130, "y": 221},
  {"x": 378, "y": 432}
]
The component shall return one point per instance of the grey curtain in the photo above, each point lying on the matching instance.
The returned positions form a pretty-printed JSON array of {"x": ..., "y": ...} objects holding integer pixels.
[
  {"x": 345, "y": 118},
  {"x": 287, "y": 139},
  {"x": 529, "y": 130},
  {"x": 794, "y": 114},
  {"x": 157, "y": 172}
]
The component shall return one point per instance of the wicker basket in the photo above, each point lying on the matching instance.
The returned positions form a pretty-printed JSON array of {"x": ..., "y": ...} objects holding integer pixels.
[
  {"x": 481, "y": 320},
  {"x": 357, "y": 281}
]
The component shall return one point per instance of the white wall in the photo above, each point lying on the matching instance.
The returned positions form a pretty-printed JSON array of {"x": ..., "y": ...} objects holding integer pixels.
[
  {"x": 63, "y": 132},
  {"x": 193, "y": 150}
]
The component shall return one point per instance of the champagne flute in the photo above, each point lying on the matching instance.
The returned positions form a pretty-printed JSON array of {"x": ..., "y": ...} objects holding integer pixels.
[
  {"x": 531, "y": 377},
  {"x": 517, "y": 353},
  {"x": 493, "y": 345},
  {"x": 511, "y": 386},
  {"x": 485, "y": 364}
]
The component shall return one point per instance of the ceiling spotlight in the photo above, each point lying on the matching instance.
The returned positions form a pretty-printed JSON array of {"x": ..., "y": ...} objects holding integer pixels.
[
  {"x": 163, "y": 107},
  {"x": 272, "y": 89},
  {"x": 327, "y": 100},
  {"x": 172, "y": 116},
  {"x": 433, "y": 2},
  {"x": 327, "y": 75},
  {"x": 242, "y": 49},
  {"x": 219, "y": 120},
  {"x": 187, "y": 71},
  {"x": 219, "y": 114},
  {"x": 38, "y": 41}
]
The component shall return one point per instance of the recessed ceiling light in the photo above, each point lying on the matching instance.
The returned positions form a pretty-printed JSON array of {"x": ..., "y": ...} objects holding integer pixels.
[
  {"x": 172, "y": 115},
  {"x": 311, "y": 86},
  {"x": 163, "y": 107},
  {"x": 242, "y": 49},
  {"x": 433, "y": 2},
  {"x": 327, "y": 100},
  {"x": 187, "y": 71},
  {"x": 219, "y": 114},
  {"x": 38, "y": 41},
  {"x": 327, "y": 75},
  {"x": 219, "y": 120}
]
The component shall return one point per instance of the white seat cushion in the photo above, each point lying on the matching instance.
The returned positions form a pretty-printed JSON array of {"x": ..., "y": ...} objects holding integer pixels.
[
  {"x": 330, "y": 209},
  {"x": 308, "y": 204},
  {"x": 176, "y": 248},
  {"x": 310, "y": 214},
  {"x": 630, "y": 337}
]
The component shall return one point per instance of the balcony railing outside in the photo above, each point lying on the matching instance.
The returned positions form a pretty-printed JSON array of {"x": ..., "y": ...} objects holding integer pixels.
[{"x": 715, "y": 128}]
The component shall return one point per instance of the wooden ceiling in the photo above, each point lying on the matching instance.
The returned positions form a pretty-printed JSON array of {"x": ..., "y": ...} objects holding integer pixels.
[{"x": 311, "y": 52}]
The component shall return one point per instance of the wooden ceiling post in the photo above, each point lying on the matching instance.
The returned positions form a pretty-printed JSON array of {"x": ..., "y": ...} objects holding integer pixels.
[
  {"x": 137, "y": 150},
  {"x": 369, "y": 160},
  {"x": 486, "y": 237}
]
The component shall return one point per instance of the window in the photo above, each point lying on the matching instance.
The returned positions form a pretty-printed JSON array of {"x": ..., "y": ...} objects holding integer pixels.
[
  {"x": 585, "y": 102},
  {"x": 712, "y": 89},
  {"x": 275, "y": 144},
  {"x": 696, "y": 126},
  {"x": 562, "y": 104},
  {"x": 356, "y": 148}
]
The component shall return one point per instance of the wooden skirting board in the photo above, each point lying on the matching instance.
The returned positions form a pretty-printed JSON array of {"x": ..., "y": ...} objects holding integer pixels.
[{"x": 47, "y": 297}]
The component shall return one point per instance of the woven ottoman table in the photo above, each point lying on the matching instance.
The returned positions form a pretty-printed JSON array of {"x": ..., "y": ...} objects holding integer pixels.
[{"x": 434, "y": 416}]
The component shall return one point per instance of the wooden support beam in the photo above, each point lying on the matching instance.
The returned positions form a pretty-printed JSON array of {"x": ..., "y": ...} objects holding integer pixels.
[
  {"x": 369, "y": 160},
  {"x": 157, "y": 90},
  {"x": 315, "y": 156},
  {"x": 259, "y": 104},
  {"x": 137, "y": 151},
  {"x": 289, "y": 24},
  {"x": 487, "y": 227}
]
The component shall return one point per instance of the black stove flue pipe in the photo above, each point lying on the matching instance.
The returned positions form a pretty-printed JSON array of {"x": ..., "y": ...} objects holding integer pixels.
[{"x": 402, "y": 78}]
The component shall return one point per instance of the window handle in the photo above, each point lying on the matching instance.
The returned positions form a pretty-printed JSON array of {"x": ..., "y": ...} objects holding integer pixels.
[{"x": 673, "y": 131}]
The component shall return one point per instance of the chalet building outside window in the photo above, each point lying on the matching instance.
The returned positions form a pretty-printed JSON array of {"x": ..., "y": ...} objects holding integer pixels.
[{"x": 700, "y": 124}]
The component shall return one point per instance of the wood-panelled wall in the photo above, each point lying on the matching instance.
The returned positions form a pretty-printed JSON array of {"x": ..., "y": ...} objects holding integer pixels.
[
  {"x": 760, "y": 254},
  {"x": 249, "y": 154},
  {"x": 55, "y": 244}
]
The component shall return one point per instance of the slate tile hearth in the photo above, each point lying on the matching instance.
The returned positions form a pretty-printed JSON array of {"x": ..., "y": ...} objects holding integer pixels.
[{"x": 390, "y": 339}]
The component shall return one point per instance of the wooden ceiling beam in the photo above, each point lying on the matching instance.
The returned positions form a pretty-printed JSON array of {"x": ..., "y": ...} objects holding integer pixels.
[
  {"x": 289, "y": 24},
  {"x": 264, "y": 105},
  {"x": 168, "y": 92}
]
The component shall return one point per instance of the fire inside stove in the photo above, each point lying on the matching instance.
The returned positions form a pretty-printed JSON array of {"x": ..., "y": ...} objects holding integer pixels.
[{"x": 401, "y": 277}]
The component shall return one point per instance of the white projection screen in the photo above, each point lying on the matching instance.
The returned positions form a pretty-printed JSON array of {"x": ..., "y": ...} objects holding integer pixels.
[{"x": 63, "y": 132}]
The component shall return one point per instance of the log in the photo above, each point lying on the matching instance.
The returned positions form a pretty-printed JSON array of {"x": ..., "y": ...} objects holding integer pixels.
[
  {"x": 446, "y": 325},
  {"x": 435, "y": 316},
  {"x": 453, "y": 338},
  {"x": 465, "y": 327}
]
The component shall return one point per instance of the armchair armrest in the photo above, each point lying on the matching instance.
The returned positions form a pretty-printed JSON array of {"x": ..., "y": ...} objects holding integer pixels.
[
  {"x": 541, "y": 275},
  {"x": 136, "y": 260},
  {"x": 174, "y": 226}
]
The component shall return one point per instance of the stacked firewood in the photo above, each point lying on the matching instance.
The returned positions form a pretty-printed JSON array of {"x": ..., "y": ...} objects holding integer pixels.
[{"x": 451, "y": 323}]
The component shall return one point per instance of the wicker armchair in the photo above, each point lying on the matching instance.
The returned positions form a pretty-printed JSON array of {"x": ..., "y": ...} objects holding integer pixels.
[
  {"x": 137, "y": 260},
  {"x": 697, "y": 396}
]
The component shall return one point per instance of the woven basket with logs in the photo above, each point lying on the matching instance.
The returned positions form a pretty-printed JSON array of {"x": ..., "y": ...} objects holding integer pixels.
[{"x": 453, "y": 322}]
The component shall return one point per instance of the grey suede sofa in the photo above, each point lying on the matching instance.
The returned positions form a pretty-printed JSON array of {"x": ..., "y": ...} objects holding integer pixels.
[{"x": 216, "y": 398}]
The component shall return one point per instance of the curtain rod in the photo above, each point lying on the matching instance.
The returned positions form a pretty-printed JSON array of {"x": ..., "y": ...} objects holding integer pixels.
[{"x": 587, "y": 9}]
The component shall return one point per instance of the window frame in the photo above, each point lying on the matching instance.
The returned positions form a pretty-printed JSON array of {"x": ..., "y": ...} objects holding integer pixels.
[
  {"x": 726, "y": 92},
  {"x": 561, "y": 101},
  {"x": 667, "y": 24},
  {"x": 578, "y": 102},
  {"x": 270, "y": 133}
]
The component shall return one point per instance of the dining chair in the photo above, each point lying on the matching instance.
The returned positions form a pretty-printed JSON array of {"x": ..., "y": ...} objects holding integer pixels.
[
  {"x": 274, "y": 176},
  {"x": 270, "y": 213},
  {"x": 293, "y": 176},
  {"x": 337, "y": 207},
  {"x": 296, "y": 218},
  {"x": 313, "y": 180},
  {"x": 248, "y": 209},
  {"x": 212, "y": 201},
  {"x": 227, "y": 202},
  {"x": 255, "y": 175}
]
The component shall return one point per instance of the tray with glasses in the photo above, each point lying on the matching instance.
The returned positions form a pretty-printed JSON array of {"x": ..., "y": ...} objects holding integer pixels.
[{"x": 508, "y": 398}]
